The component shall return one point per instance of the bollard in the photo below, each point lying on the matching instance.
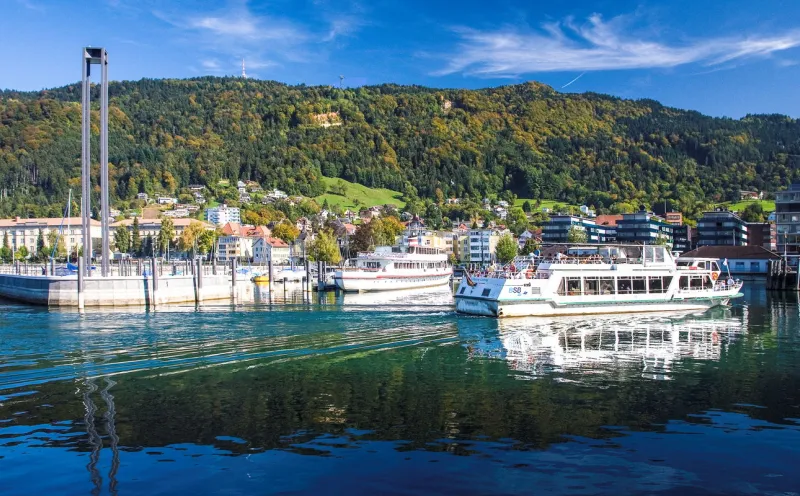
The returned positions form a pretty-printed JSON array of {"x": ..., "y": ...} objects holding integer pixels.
[
  {"x": 154, "y": 275},
  {"x": 16, "y": 264},
  {"x": 233, "y": 278},
  {"x": 52, "y": 267},
  {"x": 81, "y": 288},
  {"x": 199, "y": 277},
  {"x": 269, "y": 274}
]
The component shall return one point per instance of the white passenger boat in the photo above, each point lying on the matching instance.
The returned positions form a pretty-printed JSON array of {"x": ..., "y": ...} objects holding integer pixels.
[
  {"x": 597, "y": 279},
  {"x": 389, "y": 268}
]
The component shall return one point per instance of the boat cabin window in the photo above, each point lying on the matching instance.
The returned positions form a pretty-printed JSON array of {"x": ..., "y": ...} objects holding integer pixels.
[
  {"x": 714, "y": 267},
  {"x": 606, "y": 285},
  {"x": 570, "y": 286},
  {"x": 659, "y": 284},
  {"x": 701, "y": 265},
  {"x": 591, "y": 286},
  {"x": 684, "y": 263}
]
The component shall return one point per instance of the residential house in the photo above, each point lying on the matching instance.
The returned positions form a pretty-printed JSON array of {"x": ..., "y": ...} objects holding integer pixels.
[
  {"x": 267, "y": 248},
  {"x": 588, "y": 212},
  {"x": 304, "y": 225},
  {"x": 237, "y": 241},
  {"x": 501, "y": 212},
  {"x": 276, "y": 194},
  {"x": 196, "y": 187},
  {"x": 750, "y": 195},
  {"x": 166, "y": 200},
  {"x": 142, "y": 196},
  {"x": 188, "y": 207},
  {"x": 177, "y": 213}
]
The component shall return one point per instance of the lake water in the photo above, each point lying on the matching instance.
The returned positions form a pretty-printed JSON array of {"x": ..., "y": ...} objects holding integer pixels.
[{"x": 396, "y": 394}]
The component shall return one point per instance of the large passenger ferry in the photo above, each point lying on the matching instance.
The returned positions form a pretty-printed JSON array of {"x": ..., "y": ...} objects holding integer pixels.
[
  {"x": 389, "y": 268},
  {"x": 596, "y": 279}
]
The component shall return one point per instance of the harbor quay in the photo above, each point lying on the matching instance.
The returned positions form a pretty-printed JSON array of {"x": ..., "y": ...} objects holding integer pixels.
[{"x": 148, "y": 283}]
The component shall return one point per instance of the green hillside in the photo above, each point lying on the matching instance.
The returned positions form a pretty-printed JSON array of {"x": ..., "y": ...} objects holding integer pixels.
[
  {"x": 357, "y": 196},
  {"x": 426, "y": 143},
  {"x": 767, "y": 205}
]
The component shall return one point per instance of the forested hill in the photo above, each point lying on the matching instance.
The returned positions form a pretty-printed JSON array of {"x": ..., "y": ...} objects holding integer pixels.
[{"x": 528, "y": 138}]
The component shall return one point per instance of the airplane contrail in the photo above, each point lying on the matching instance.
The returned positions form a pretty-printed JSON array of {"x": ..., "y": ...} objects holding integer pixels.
[{"x": 579, "y": 76}]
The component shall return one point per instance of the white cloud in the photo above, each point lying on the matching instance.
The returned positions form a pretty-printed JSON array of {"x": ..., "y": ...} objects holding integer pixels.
[
  {"x": 593, "y": 46},
  {"x": 211, "y": 64}
]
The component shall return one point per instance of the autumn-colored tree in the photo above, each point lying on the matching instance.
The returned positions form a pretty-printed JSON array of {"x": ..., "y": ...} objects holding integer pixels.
[
  {"x": 286, "y": 231},
  {"x": 324, "y": 248},
  {"x": 190, "y": 235}
]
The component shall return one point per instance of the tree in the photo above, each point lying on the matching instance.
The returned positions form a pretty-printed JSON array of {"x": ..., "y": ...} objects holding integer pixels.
[
  {"x": 190, "y": 235},
  {"x": 5, "y": 252},
  {"x": 286, "y": 231},
  {"x": 166, "y": 234},
  {"x": 148, "y": 246},
  {"x": 506, "y": 249},
  {"x": 531, "y": 245},
  {"x": 385, "y": 230},
  {"x": 136, "y": 238},
  {"x": 22, "y": 253},
  {"x": 207, "y": 241},
  {"x": 41, "y": 247},
  {"x": 753, "y": 212},
  {"x": 122, "y": 239},
  {"x": 576, "y": 235},
  {"x": 56, "y": 241},
  {"x": 451, "y": 259},
  {"x": 362, "y": 239},
  {"x": 324, "y": 248},
  {"x": 526, "y": 206},
  {"x": 517, "y": 221}
]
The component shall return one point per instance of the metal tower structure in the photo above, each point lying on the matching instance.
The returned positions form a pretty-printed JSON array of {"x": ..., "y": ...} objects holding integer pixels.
[
  {"x": 244, "y": 74},
  {"x": 91, "y": 56}
]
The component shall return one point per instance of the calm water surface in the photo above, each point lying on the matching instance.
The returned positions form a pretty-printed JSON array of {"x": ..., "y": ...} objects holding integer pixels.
[{"x": 395, "y": 394}]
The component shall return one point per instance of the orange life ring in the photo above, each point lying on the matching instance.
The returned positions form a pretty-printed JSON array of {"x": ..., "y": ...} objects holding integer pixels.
[{"x": 714, "y": 276}]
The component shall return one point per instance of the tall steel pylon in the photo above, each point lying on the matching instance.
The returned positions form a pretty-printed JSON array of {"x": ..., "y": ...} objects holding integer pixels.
[{"x": 91, "y": 56}]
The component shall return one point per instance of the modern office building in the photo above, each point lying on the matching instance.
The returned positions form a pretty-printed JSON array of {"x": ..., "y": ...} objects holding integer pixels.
[
  {"x": 558, "y": 228},
  {"x": 644, "y": 227},
  {"x": 223, "y": 214},
  {"x": 787, "y": 219},
  {"x": 763, "y": 234},
  {"x": 721, "y": 228},
  {"x": 682, "y": 239}
]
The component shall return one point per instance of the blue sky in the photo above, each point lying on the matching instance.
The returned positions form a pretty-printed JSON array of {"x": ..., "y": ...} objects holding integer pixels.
[{"x": 719, "y": 57}]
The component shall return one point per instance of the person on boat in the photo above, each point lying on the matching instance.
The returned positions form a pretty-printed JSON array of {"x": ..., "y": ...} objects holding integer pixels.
[{"x": 731, "y": 282}]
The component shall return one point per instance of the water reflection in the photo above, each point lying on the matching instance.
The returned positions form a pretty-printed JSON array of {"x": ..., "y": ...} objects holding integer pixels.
[{"x": 650, "y": 342}]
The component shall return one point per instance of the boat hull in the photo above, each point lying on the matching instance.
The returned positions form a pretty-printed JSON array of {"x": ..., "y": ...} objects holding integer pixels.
[
  {"x": 364, "y": 282},
  {"x": 545, "y": 308}
]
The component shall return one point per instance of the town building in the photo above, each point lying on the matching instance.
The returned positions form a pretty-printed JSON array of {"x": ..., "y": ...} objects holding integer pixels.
[
  {"x": 477, "y": 246},
  {"x": 787, "y": 219},
  {"x": 682, "y": 239},
  {"x": 441, "y": 240},
  {"x": 237, "y": 241},
  {"x": 142, "y": 196},
  {"x": 25, "y": 232},
  {"x": 741, "y": 260},
  {"x": 558, "y": 228},
  {"x": 166, "y": 200},
  {"x": 266, "y": 249},
  {"x": 674, "y": 218},
  {"x": 176, "y": 213},
  {"x": 152, "y": 227},
  {"x": 223, "y": 214},
  {"x": 644, "y": 227},
  {"x": 720, "y": 228},
  {"x": 751, "y": 195},
  {"x": 763, "y": 234}
]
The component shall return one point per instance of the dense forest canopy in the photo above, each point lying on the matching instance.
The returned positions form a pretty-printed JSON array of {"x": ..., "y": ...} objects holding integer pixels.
[{"x": 529, "y": 139}]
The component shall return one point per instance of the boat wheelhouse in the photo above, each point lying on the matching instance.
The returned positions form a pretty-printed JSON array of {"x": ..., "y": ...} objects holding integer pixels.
[
  {"x": 580, "y": 280},
  {"x": 391, "y": 268}
]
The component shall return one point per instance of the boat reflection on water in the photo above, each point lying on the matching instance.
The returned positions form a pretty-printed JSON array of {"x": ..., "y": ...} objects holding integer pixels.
[
  {"x": 534, "y": 347},
  {"x": 402, "y": 299}
]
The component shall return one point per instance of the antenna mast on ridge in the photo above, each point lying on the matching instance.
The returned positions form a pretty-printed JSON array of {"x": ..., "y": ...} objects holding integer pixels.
[{"x": 244, "y": 74}]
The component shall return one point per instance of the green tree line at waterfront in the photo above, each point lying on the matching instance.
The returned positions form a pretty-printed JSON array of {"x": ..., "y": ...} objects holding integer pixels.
[{"x": 527, "y": 140}]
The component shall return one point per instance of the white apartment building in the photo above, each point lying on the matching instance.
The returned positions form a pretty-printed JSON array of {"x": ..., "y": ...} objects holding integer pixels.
[
  {"x": 266, "y": 249},
  {"x": 223, "y": 214}
]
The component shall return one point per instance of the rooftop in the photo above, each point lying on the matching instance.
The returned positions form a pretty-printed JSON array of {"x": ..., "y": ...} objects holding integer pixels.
[
  {"x": 734, "y": 252},
  {"x": 44, "y": 222}
]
